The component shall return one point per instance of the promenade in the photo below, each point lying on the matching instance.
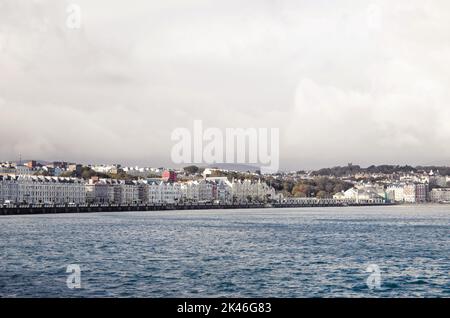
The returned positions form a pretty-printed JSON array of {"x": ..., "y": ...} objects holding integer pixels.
[{"x": 91, "y": 208}]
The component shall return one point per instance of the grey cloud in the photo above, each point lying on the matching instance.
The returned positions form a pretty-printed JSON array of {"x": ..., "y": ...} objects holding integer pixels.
[{"x": 361, "y": 81}]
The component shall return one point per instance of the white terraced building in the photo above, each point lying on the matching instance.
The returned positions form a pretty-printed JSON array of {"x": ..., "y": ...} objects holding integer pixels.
[
  {"x": 208, "y": 190},
  {"x": 408, "y": 192},
  {"x": 99, "y": 192},
  {"x": 223, "y": 190},
  {"x": 396, "y": 193},
  {"x": 440, "y": 195},
  {"x": 39, "y": 189},
  {"x": 190, "y": 191},
  {"x": 242, "y": 190},
  {"x": 129, "y": 192},
  {"x": 132, "y": 192},
  {"x": 195, "y": 191},
  {"x": 362, "y": 195},
  {"x": 113, "y": 191},
  {"x": 163, "y": 192}
]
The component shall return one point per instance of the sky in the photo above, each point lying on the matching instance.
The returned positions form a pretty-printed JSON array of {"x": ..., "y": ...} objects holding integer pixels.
[{"x": 344, "y": 81}]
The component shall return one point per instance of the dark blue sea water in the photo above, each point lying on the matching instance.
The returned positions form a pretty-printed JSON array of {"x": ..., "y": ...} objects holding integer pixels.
[{"x": 310, "y": 252}]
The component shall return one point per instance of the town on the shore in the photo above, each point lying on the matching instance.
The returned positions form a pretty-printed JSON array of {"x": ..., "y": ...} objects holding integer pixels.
[{"x": 37, "y": 182}]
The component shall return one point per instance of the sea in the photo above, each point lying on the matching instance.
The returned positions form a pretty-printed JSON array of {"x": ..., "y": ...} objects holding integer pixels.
[{"x": 379, "y": 251}]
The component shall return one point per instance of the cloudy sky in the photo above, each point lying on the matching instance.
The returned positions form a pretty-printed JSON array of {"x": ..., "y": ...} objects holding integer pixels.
[{"x": 345, "y": 81}]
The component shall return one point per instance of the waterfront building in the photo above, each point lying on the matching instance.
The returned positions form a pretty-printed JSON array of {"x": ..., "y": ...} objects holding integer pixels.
[
  {"x": 163, "y": 192},
  {"x": 436, "y": 179},
  {"x": 222, "y": 190},
  {"x": 190, "y": 191},
  {"x": 9, "y": 189},
  {"x": 408, "y": 192},
  {"x": 206, "y": 190},
  {"x": 142, "y": 191},
  {"x": 39, "y": 189},
  {"x": 56, "y": 190},
  {"x": 361, "y": 195},
  {"x": 395, "y": 193},
  {"x": 129, "y": 192},
  {"x": 247, "y": 190},
  {"x": 113, "y": 191},
  {"x": 97, "y": 191},
  {"x": 440, "y": 195},
  {"x": 372, "y": 188},
  {"x": 350, "y": 194},
  {"x": 421, "y": 193}
]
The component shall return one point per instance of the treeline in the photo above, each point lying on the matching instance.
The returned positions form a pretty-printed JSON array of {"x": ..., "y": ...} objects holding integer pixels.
[
  {"x": 385, "y": 169},
  {"x": 321, "y": 187},
  {"x": 87, "y": 173}
]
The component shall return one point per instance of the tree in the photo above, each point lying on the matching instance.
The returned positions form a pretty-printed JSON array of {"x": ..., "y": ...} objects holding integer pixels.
[
  {"x": 42, "y": 173},
  {"x": 322, "y": 195},
  {"x": 288, "y": 186},
  {"x": 323, "y": 185},
  {"x": 191, "y": 169},
  {"x": 67, "y": 174},
  {"x": 301, "y": 190},
  {"x": 87, "y": 173},
  {"x": 121, "y": 175}
]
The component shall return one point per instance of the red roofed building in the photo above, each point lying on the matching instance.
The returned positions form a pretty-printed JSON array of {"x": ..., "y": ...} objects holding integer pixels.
[{"x": 169, "y": 176}]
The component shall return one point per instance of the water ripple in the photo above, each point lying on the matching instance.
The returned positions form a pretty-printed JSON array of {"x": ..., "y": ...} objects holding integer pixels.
[{"x": 246, "y": 253}]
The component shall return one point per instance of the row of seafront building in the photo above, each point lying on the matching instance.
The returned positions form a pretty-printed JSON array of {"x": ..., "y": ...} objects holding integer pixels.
[
  {"x": 18, "y": 189},
  {"x": 24, "y": 189},
  {"x": 406, "y": 192},
  {"x": 19, "y": 184}
]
